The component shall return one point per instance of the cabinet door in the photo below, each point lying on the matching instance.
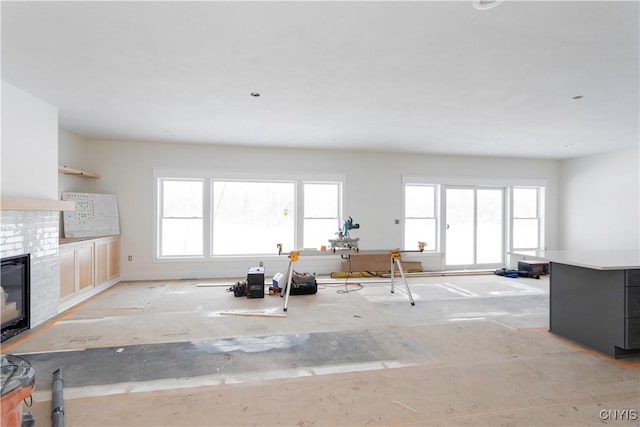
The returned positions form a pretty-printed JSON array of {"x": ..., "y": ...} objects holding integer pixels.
[
  {"x": 633, "y": 301},
  {"x": 67, "y": 273},
  {"x": 632, "y": 334},
  {"x": 633, "y": 277},
  {"x": 114, "y": 258},
  {"x": 101, "y": 261},
  {"x": 85, "y": 266},
  {"x": 107, "y": 260}
]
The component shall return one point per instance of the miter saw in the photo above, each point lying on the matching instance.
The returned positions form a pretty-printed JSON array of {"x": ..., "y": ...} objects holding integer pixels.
[{"x": 344, "y": 241}]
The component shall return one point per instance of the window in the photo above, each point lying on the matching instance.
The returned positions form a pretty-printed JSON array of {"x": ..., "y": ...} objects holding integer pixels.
[
  {"x": 181, "y": 217},
  {"x": 428, "y": 203},
  {"x": 526, "y": 222},
  {"x": 321, "y": 213},
  {"x": 420, "y": 223},
  {"x": 204, "y": 215},
  {"x": 252, "y": 217}
]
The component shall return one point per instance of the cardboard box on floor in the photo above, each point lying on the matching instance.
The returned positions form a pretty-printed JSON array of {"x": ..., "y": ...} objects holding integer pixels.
[{"x": 382, "y": 262}]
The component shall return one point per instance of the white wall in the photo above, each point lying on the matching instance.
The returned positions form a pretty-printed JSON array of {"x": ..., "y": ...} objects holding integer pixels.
[
  {"x": 29, "y": 146},
  {"x": 373, "y": 193},
  {"x": 600, "y": 197},
  {"x": 71, "y": 153},
  {"x": 30, "y": 170}
]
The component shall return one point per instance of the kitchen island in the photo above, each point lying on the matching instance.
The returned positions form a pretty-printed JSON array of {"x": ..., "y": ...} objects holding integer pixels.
[{"x": 595, "y": 298}]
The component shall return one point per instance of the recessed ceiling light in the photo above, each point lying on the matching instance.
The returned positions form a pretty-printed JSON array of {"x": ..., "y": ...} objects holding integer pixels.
[
  {"x": 255, "y": 94},
  {"x": 486, "y": 4}
]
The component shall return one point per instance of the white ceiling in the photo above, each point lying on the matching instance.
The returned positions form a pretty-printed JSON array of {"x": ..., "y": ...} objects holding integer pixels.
[{"x": 418, "y": 76}]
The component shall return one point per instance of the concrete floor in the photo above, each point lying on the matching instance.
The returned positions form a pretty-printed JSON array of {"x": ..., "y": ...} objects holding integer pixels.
[{"x": 473, "y": 351}]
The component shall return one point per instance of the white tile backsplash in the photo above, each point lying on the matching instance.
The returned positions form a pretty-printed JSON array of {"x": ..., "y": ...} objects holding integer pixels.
[{"x": 35, "y": 233}]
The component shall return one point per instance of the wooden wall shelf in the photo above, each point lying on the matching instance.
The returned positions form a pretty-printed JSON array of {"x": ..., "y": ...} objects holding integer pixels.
[
  {"x": 24, "y": 204},
  {"x": 77, "y": 172}
]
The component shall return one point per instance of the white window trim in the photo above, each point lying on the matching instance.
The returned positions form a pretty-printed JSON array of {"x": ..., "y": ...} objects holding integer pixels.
[
  {"x": 542, "y": 215},
  {"x": 158, "y": 217},
  {"x": 208, "y": 176},
  {"x": 436, "y": 212},
  {"x": 299, "y": 197},
  {"x": 507, "y": 183}
]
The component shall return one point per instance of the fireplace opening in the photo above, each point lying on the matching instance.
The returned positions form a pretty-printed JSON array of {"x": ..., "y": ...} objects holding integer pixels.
[{"x": 14, "y": 295}]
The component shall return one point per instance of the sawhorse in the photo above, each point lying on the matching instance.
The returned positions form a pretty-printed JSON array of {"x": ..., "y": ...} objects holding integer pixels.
[
  {"x": 395, "y": 259},
  {"x": 293, "y": 257},
  {"x": 394, "y": 254}
]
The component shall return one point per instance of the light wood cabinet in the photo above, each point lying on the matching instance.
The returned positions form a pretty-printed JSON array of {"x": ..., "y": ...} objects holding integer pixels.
[
  {"x": 85, "y": 264},
  {"x": 102, "y": 260},
  {"x": 76, "y": 268},
  {"x": 67, "y": 272},
  {"x": 107, "y": 259},
  {"x": 114, "y": 259}
]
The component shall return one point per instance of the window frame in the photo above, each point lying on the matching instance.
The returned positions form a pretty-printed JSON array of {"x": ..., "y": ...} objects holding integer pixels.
[
  {"x": 508, "y": 184},
  {"x": 208, "y": 177},
  {"x": 436, "y": 213},
  {"x": 160, "y": 216},
  {"x": 339, "y": 205},
  {"x": 540, "y": 216}
]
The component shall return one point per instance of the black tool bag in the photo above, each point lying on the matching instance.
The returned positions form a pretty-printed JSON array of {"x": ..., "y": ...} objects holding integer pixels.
[
  {"x": 240, "y": 289},
  {"x": 303, "y": 284}
]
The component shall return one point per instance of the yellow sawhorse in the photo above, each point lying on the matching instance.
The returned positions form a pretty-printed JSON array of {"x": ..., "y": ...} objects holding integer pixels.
[
  {"x": 394, "y": 254},
  {"x": 293, "y": 257}
]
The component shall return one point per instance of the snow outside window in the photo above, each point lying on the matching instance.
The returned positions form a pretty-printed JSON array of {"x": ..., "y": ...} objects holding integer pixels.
[
  {"x": 420, "y": 222},
  {"x": 526, "y": 218},
  {"x": 181, "y": 218},
  {"x": 321, "y": 213},
  {"x": 252, "y": 217}
]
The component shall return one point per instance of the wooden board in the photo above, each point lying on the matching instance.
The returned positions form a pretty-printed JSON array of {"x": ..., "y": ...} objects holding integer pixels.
[
  {"x": 382, "y": 262},
  {"x": 71, "y": 171}
]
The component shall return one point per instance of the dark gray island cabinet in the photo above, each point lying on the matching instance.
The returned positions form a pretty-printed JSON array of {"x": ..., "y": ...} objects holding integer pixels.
[{"x": 594, "y": 299}]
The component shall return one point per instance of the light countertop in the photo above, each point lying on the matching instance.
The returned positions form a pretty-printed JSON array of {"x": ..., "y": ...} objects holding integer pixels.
[
  {"x": 596, "y": 259},
  {"x": 69, "y": 240}
]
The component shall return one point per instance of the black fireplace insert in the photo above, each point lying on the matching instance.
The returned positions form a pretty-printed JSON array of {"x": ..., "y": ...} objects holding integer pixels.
[{"x": 15, "y": 295}]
